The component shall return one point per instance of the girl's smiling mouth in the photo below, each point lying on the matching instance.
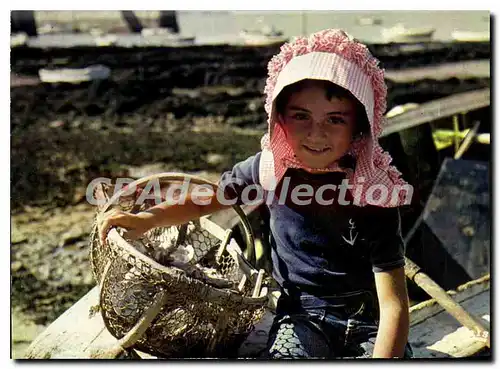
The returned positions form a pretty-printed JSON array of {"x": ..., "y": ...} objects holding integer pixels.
[{"x": 316, "y": 150}]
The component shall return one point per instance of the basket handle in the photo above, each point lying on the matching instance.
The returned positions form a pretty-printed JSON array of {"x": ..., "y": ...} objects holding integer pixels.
[
  {"x": 173, "y": 176},
  {"x": 136, "y": 332}
]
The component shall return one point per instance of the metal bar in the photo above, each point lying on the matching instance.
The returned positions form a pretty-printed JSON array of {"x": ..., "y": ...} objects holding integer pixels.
[
  {"x": 243, "y": 280},
  {"x": 223, "y": 245},
  {"x": 247, "y": 268},
  {"x": 23, "y": 21},
  {"x": 258, "y": 284},
  {"x": 168, "y": 19},
  {"x": 456, "y": 131},
  {"x": 481, "y": 138},
  {"x": 467, "y": 141},
  {"x": 133, "y": 22}
]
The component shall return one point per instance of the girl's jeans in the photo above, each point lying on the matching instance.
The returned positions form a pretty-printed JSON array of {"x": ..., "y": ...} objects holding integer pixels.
[{"x": 327, "y": 327}]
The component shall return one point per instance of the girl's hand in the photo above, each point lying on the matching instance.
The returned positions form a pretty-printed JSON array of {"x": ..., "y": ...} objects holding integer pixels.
[{"x": 134, "y": 224}]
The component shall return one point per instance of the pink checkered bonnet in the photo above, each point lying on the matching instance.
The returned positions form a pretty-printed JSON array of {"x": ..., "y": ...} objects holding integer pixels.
[{"x": 334, "y": 56}]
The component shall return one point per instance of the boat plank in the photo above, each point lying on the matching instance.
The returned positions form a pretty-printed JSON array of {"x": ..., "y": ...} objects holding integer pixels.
[
  {"x": 461, "y": 343},
  {"x": 438, "y": 109},
  {"x": 433, "y": 337},
  {"x": 441, "y": 336},
  {"x": 74, "y": 334},
  {"x": 426, "y": 309},
  {"x": 461, "y": 70}
]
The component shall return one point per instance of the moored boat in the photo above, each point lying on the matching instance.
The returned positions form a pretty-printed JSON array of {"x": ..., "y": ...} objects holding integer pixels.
[
  {"x": 166, "y": 34},
  {"x": 400, "y": 33},
  {"x": 265, "y": 36},
  {"x": 471, "y": 36},
  {"x": 74, "y": 75},
  {"x": 369, "y": 21}
]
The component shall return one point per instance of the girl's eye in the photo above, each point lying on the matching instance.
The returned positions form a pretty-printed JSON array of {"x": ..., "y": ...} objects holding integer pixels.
[
  {"x": 335, "y": 120},
  {"x": 299, "y": 116}
]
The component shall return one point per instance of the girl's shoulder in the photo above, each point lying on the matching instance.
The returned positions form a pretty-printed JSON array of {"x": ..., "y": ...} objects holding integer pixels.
[
  {"x": 379, "y": 220},
  {"x": 378, "y": 215},
  {"x": 246, "y": 171}
]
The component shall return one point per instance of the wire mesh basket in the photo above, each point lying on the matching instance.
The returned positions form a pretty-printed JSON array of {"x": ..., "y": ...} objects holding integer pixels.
[{"x": 178, "y": 292}]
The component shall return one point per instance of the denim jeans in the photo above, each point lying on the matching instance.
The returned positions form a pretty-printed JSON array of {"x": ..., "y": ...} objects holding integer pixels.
[{"x": 327, "y": 328}]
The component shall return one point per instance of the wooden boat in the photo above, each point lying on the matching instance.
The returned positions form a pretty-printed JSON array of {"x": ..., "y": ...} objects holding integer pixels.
[
  {"x": 166, "y": 34},
  {"x": 399, "y": 33},
  {"x": 471, "y": 36},
  {"x": 265, "y": 36},
  {"x": 454, "y": 324},
  {"x": 48, "y": 28},
  {"x": 18, "y": 39},
  {"x": 106, "y": 40},
  {"x": 369, "y": 21},
  {"x": 69, "y": 75}
]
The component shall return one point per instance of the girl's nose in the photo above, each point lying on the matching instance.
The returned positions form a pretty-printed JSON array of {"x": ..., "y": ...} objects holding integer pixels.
[{"x": 316, "y": 130}]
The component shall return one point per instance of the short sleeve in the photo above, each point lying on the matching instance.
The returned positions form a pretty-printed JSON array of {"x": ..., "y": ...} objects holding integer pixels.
[
  {"x": 387, "y": 249},
  {"x": 242, "y": 181}
]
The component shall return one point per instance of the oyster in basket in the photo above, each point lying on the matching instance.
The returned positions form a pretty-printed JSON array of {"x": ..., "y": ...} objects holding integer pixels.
[{"x": 183, "y": 247}]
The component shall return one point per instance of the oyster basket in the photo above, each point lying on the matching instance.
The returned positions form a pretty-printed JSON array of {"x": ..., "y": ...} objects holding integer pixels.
[{"x": 177, "y": 292}]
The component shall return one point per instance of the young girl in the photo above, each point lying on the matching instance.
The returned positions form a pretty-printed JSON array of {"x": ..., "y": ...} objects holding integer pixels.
[{"x": 337, "y": 250}]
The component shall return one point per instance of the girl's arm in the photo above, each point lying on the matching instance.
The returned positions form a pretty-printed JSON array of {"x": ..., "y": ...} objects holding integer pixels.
[
  {"x": 162, "y": 215},
  {"x": 232, "y": 183},
  {"x": 394, "y": 324}
]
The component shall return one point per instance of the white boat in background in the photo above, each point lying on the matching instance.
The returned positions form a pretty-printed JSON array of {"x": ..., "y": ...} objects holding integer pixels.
[
  {"x": 48, "y": 28},
  {"x": 265, "y": 36},
  {"x": 156, "y": 31},
  {"x": 96, "y": 31},
  {"x": 106, "y": 40},
  {"x": 18, "y": 39},
  {"x": 166, "y": 33},
  {"x": 76, "y": 75},
  {"x": 399, "y": 33},
  {"x": 471, "y": 36},
  {"x": 369, "y": 21}
]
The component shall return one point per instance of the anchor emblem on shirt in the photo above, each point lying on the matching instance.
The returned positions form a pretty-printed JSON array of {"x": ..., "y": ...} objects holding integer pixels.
[{"x": 351, "y": 228}]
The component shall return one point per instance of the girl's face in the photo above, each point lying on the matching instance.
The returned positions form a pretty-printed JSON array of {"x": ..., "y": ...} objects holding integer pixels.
[{"x": 319, "y": 130}]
